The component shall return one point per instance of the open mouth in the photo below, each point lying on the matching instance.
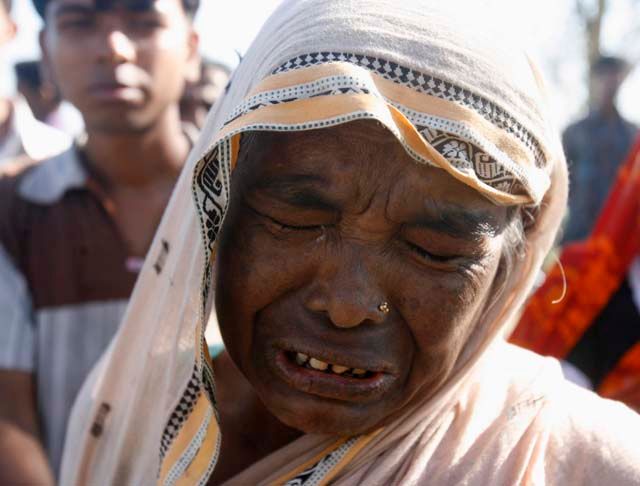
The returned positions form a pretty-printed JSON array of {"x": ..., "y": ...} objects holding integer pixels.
[
  {"x": 335, "y": 378},
  {"x": 316, "y": 364}
]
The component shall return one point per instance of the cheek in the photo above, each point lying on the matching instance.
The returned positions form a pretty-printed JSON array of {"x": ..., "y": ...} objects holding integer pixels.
[
  {"x": 253, "y": 271},
  {"x": 66, "y": 70},
  {"x": 440, "y": 312},
  {"x": 166, "y": 56}
]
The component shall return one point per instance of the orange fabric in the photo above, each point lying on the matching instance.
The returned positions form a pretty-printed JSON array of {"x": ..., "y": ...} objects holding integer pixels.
[
  {"x": 594, "y": 270},
  {"x": 623, "y": 383},
  {"x": 411, "y": 99}
]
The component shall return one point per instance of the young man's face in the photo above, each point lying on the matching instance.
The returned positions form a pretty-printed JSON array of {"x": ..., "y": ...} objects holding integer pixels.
[{"x": 122, "y": 67}]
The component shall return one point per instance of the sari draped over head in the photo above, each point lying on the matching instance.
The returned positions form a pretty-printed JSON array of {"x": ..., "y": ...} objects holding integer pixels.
[
  {"x": 592, "y": 271},
  {"x": 456, "y": 97}
]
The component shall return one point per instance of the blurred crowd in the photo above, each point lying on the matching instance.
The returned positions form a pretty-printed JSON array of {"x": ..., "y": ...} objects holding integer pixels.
[{"x": 91, "y": 145}]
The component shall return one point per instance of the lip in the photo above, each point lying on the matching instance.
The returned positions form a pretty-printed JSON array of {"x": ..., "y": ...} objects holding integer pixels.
[
  {"x": 116, "y": 92},
  {"x": 332, "y": 386}
]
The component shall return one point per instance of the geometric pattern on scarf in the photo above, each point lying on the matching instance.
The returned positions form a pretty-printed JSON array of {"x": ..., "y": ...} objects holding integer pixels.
[
  {"x": 313, "y": 475},
  {"x": 468, "y": 157},
  {"x": 426, "y": 84},
  {"x": 453, "y": 140},
  {"x": 181, "y": 412},
  {"x": 211, "y": 189}
]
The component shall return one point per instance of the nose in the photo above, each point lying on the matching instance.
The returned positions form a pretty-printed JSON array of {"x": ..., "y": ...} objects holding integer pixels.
[
  {"x": 347, "y": 292},
  {"x": 116, "y": 47}
]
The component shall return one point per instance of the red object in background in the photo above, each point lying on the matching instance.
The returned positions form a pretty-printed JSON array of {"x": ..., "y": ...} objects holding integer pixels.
[{"x": 594, "y": 269}]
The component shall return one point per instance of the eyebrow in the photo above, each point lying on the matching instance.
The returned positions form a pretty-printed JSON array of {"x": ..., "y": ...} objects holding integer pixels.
[
  {"x": 301, "y": 190},
  {"x": 456, "y": 222}
]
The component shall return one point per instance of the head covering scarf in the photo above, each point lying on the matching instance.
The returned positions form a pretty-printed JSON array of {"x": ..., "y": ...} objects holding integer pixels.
[{"x": 455, "y": 97}]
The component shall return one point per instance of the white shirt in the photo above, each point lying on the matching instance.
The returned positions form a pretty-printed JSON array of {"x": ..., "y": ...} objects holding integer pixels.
[{"x": 28, "y": 136}]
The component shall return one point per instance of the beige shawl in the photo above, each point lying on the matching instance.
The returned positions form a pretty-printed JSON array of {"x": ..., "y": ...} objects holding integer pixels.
[{"x": 456, "y": 96}]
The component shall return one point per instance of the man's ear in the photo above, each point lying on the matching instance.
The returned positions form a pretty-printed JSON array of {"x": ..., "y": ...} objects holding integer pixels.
[{"x": 192, "y": 74}]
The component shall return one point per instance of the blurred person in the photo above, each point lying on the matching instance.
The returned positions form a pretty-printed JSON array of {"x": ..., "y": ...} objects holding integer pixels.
[
  {"x": 595, "y": 147},
  {"x": 595, "y": 327},
  {"x": 44, "y": 99},
  {"x": 20, "y": 133},
  {"x": 75, "y": 228},
  {"x": 199, "y": 97}
]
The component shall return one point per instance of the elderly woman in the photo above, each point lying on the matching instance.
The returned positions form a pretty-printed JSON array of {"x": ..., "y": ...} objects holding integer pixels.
[{"x": 374, "y": 195}]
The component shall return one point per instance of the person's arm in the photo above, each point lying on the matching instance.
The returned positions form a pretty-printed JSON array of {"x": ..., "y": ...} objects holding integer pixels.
[{"x": 22, "y": 458}]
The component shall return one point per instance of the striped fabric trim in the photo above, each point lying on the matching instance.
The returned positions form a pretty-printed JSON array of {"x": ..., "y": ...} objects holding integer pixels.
[
  {"x": 181, "y": 465},
  {"x": 430, "y": 126},
  {"x": 511, "y": 169},
  {"x": 427, "y": 84},
  {"x": 326, "y": 465},
  {"x": 195, "y": 447}
]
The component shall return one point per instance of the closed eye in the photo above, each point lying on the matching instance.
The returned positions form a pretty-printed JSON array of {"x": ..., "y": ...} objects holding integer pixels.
[
  {"x": 282, "y": 226},
  {"x": 285, "y": 226},
  {"x": 429, "y": 256}
]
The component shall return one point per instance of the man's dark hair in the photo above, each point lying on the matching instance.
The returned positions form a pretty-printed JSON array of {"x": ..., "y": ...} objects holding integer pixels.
[
  {"x": 190, "y": 6},
  {"x": 609, "y": 64},
  {"x": 7, "y": 5},
  {"x": 28, "y": 72}
]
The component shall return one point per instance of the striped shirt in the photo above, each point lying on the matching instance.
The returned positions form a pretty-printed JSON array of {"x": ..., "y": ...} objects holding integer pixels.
[{"x": 65, "y": 278}]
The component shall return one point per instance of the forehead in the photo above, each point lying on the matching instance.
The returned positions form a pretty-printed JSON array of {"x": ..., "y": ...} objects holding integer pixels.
[{"x": 355, "y": 162}]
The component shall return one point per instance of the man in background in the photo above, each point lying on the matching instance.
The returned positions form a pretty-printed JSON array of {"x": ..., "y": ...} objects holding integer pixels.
[
  {"x": 596, "y": 147},
  {"x": 75, "y": 228},
  {"x": 20, "y": 133},
  {"x": 199, "y": 97}
]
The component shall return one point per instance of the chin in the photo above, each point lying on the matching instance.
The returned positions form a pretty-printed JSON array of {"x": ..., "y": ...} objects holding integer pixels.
[
  {"x": 325, "y": 417},
  {"x": 120, "y": 123},
  {"x": 324, "y": 425}
]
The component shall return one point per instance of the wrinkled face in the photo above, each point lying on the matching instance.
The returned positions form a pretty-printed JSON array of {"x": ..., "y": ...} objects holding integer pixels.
[
  {"x": 122, "y": 67},
  {"x": 322, "y": 228}
]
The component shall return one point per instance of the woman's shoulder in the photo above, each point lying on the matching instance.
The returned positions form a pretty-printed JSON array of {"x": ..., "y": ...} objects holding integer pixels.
[
  {"x": 590, "y": 437},
  {"x": 599, "y": 430},
  {"x": 579, "y": 435}
]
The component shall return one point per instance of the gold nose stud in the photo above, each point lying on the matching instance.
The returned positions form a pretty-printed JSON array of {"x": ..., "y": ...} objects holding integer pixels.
[{"x": 384, "y": 308}]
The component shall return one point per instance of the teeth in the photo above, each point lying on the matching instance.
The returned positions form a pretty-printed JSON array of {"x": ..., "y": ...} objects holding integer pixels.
[
  {"x": 318, "y": 365},
  {"x": 314, "y": 363},
  {"x": 338, "y": 369}
]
